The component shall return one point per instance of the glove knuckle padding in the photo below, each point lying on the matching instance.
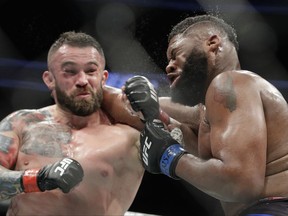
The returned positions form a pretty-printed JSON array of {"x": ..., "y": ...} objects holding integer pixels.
[
  {"x": 142, "y": 96},
  {"x": 64, "y": 174}
]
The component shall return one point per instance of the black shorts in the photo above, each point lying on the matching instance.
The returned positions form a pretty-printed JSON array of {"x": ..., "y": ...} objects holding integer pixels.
[{"x": 268, "y": 207}]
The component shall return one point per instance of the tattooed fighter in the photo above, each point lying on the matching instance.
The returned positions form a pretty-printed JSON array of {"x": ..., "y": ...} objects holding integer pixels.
[{"x": 69, "y": 158}]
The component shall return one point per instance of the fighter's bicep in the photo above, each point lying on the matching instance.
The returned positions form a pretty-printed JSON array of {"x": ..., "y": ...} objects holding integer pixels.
[{"x": 9, "y": 142}]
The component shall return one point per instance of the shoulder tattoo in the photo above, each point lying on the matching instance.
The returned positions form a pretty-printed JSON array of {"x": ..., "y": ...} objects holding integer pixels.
[{"x": 226, "y": 95}]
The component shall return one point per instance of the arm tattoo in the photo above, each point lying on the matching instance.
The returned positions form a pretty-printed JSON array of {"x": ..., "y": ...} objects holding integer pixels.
[
  {"x": 5, "y": 142},
  {"x": 5, "y": 125},
  {"x": 10, "y": 184},
  {"x": 39, "y": 135},
  {"x": 226, "y": 95},
  {"x": 7, "y": 151}
]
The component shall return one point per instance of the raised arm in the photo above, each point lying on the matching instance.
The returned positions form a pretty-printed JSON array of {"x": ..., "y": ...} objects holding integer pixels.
[
  {"x": 185, "y": 114},
  {"x": 143, "y": 97},
  {"x": 235, "y": 171},
  {"x": 114, "y": 105}
]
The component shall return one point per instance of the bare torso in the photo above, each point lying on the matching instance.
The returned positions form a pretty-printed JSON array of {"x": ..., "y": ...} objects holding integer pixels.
[
  {"x": 276, "y": 118},
  {"x": 256, "y": 128},
  {"x": 108, "y": 154}
]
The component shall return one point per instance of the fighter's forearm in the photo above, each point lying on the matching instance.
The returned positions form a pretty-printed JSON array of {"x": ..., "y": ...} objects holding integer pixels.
[
  {"x": 181, "y": 113},
  {"x": 114, "y": 106},
  {"x": 10, "y": 183}
]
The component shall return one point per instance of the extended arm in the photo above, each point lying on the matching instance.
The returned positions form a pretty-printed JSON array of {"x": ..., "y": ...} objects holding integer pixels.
[
  {"x": 181, "y": 113},
  {"x": 143, "y": 97},
  {"x": 187, "y": 119},
  {"x": 114, "y": 103},
  {"x": 237, "y": 140}
]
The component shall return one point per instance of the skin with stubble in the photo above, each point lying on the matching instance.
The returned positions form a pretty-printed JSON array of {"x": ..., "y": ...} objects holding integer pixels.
[
  {"x": 77, "y": 127},
  {"x": 240, "y": 150}
]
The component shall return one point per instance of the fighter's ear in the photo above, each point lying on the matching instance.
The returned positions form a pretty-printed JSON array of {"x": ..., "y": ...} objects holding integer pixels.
[
  {"x": 214, "y": 43},
  {"x": 105, "y": 77},
  {"x": 48, "y": 79}
]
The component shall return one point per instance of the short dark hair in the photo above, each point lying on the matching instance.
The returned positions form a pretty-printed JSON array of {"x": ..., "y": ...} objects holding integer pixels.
[
  {"x": 219, "y": 23},
  {"x": 76, "y": 39}
]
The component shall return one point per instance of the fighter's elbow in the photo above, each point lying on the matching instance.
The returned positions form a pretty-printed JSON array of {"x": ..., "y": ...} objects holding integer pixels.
[{"x": 246, "y": 189}]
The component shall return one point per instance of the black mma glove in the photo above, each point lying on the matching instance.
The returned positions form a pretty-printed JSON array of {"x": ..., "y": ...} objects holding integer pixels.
[
  {"x": 64, "y": 174},
  {"x": 142, "y": 96},
  {"x": 159, "y": 151}
]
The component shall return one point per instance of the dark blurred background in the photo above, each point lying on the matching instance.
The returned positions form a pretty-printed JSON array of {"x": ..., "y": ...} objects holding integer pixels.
[{"x": 133, "y": 34}]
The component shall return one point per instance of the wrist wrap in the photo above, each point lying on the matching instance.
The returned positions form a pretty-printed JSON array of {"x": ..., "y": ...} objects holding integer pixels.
[
  {"x": 29, "y": 181},
  {"x": 170, "y": 158}
]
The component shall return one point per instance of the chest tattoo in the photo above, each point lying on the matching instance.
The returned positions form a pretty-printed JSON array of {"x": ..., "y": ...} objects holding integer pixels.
[{"x": 46, "y": 139}]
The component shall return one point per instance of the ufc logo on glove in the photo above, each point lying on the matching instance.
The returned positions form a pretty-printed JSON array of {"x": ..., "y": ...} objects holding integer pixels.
[
  {"x": 146, "y": 147},
  {"x": 63, "y": 166}
]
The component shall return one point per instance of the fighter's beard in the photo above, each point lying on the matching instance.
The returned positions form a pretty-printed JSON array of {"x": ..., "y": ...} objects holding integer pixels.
[
  {"x": 191, "y": 86},
  {"x": 79, "y": 107}
]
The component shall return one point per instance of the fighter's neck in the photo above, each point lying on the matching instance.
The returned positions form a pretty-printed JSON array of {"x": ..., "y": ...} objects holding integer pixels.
[{"x": 78, "y": 122}]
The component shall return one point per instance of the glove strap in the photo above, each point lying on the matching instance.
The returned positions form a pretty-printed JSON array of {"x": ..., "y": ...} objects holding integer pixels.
[
  {"x": 170, "y": 159},
  {"x": 29, "y": 181}
]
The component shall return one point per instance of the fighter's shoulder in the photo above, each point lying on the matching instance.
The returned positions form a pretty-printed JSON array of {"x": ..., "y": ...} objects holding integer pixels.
[
  {"x": 234, "y": 78},
  {"x": 238, "y": 74},
  {"x": 227, "y": 86},
  {"x": 26, "y": 114},
  {"x": 110, "y": 91},
  {"x": 126, "y": 129}
]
